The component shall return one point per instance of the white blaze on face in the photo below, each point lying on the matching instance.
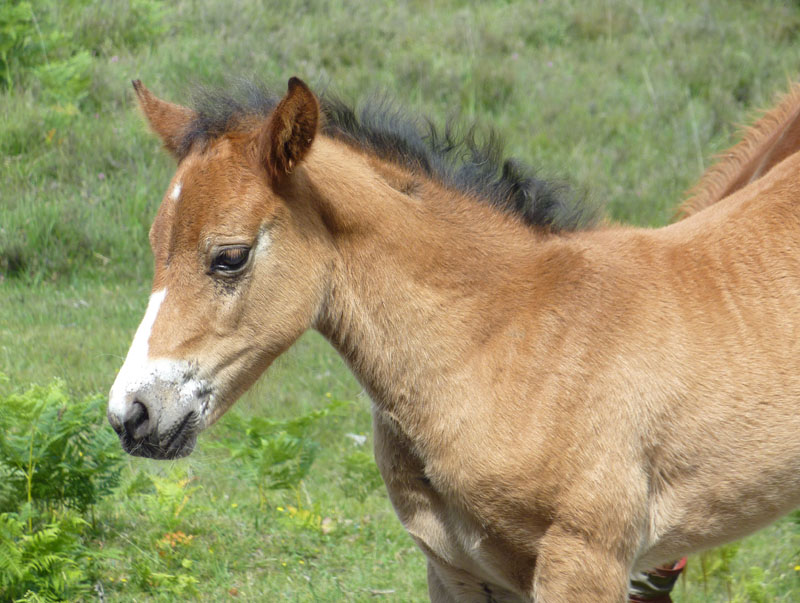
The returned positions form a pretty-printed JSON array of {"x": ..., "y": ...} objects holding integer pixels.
[
  {"x": 176, "y": 191},
  {"x": 136, "y": 360},
  {"x": 168, "y": 388}
]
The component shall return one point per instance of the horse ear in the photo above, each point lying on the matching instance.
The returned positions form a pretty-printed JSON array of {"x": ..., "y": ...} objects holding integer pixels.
[
  {"x": 169, "y": 121},
  {"x": 289, "y": 130}
]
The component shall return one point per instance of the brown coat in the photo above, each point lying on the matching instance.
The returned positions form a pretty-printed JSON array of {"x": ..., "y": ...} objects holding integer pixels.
[{"x": 551, "y": 410}]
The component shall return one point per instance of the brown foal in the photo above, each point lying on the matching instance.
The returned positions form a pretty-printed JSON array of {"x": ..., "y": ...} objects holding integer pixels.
[{"x": 555, "y": 406}]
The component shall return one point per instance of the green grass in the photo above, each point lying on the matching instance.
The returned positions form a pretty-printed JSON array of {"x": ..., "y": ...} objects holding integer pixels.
[{"x": 626, "y": 100}]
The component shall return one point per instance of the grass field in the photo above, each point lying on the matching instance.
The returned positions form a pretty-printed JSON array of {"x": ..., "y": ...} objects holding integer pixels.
[{"x": 626, "y": 100}]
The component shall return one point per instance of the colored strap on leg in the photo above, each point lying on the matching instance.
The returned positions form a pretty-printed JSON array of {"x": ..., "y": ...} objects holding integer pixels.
[{"x": 654, "y": 586}]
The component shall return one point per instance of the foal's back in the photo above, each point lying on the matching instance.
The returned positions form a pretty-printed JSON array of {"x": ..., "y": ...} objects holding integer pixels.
[{"x": 714, "y": 351}]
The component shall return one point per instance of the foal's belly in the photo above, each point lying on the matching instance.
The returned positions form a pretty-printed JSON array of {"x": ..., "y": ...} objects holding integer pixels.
[{"x": 703, "y": 524}]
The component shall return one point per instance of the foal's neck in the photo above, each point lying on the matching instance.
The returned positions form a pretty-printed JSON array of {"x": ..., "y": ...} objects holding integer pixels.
[{"x": 422, "y": 282}]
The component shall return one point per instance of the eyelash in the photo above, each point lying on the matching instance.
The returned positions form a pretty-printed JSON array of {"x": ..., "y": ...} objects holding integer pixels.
[{"x": 230, "y": 260}]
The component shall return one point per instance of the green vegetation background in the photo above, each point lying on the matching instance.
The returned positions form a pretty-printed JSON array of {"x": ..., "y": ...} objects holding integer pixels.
[{"x": 627, "y": 100}]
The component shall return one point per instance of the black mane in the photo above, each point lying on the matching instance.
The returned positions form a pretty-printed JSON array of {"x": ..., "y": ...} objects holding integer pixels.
[{"x": 456, "y": 160}]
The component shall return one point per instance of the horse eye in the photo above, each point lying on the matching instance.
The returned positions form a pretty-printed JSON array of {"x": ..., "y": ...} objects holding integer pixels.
[{"x": 230, "y": 260}]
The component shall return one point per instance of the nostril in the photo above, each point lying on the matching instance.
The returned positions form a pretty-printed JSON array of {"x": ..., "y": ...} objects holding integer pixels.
[{"x": 137, "y": 421}]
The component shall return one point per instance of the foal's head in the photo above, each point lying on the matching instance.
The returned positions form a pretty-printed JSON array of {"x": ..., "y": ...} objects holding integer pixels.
[{"x": 240, "y": 261}]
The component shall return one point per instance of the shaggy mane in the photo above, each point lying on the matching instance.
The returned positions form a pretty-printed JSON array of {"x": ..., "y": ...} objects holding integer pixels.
[{"x": 457, "y": 160}]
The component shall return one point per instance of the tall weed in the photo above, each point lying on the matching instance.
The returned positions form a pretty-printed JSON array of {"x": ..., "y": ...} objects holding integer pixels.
[
  {"x": 45, "y": 562},
  {"x": 56, "y": 463},
  {"x": 52, "y": 42},
  {"x": 55, "y": 452},
  {"x": 19, "y": 47},
  {"x": 276, "y": 453}
]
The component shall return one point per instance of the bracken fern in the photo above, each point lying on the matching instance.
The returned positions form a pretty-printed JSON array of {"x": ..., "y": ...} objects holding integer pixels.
[{"x": 56, "y": 463}]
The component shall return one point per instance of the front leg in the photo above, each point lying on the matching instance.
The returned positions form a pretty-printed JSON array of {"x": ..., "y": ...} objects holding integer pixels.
[{"x": 569, "y": 568}]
